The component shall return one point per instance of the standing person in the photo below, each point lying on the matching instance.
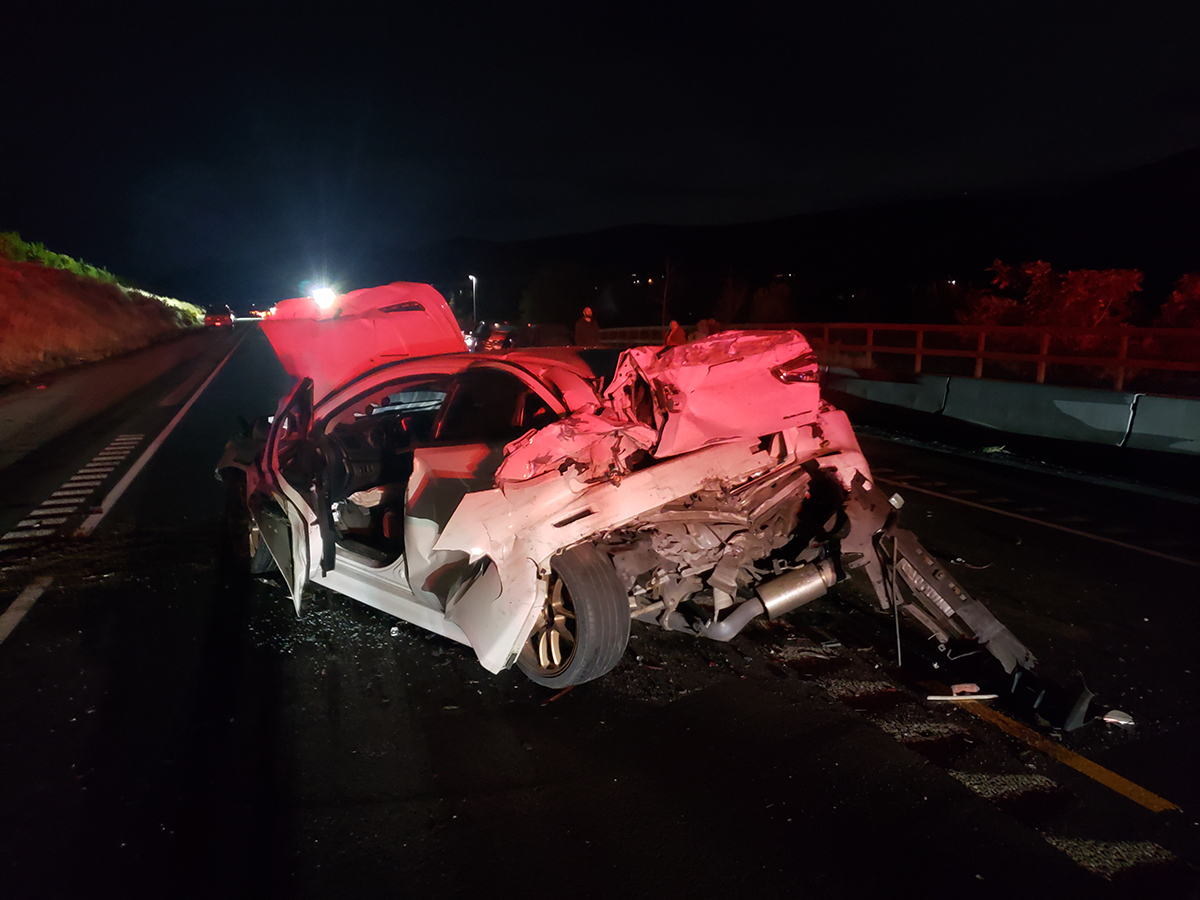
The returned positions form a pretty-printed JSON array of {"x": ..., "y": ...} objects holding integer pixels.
[
  {"x": 675, "y": 335},
  {"x": 587, "y": 332}
]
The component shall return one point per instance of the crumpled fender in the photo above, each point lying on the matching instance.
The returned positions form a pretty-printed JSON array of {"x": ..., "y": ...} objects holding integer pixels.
[{"x": 498, "y": 610}]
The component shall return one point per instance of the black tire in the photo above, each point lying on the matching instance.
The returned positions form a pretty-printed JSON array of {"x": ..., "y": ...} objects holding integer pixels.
[
  {"x": 261, "y": 561},
  {"x": 244, "y": 544},
  {"x": 584, "y": 627}
]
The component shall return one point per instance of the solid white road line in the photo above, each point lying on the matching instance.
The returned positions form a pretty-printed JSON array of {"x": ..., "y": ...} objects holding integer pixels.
[
  {"x": 1012, "y": 515},
  {"x": 90, "y": 523},
  {"x": 16, "y": 611}
]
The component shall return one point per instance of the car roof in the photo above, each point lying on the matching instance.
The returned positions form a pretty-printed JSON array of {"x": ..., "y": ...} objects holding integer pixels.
[{"x": 561, "y": 371}]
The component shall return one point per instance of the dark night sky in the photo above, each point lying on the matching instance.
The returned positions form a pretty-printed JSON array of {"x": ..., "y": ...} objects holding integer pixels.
[{"x": 222, "y": 155}]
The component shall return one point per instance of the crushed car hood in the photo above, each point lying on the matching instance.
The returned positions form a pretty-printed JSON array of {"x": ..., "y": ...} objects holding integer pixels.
[{"x": 359, "y": 331}]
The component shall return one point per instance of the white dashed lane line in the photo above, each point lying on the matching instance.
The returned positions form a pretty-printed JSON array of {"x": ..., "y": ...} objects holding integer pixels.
[
  {"x": 991, "y": 786},
  {"x": 1107, "y": 858},
  {"x": 20, "y": 535},
  {"x": 1028, "y": 796},
  {"x": 56, "y": 509}
]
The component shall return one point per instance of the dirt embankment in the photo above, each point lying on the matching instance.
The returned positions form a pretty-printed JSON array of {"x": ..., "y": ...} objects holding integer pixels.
[{"x": 51, "y": 319}]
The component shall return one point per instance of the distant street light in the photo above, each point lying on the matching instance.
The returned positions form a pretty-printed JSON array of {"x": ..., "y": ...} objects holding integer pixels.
[{"x": 474, "y": 309}]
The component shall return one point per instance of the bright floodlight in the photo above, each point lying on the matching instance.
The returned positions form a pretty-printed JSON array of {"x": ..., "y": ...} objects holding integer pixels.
[{"x": 324, "y": 297}]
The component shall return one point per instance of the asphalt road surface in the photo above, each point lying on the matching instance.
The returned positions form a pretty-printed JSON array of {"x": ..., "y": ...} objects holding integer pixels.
[{"x": 168, "y": 727}]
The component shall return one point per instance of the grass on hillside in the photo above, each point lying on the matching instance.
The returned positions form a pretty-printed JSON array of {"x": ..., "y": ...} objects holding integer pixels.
[{"x": 51, "y": 318}]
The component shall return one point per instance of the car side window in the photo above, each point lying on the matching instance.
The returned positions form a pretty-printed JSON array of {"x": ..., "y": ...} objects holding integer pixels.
[
  {"x": 415, "y": 401},
  {"x": 417, "y": 405},
  {"x": 491, "y": 406}
]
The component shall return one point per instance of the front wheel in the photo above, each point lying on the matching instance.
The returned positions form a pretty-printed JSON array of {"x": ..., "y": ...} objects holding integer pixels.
[
  {"x": 583, "y": 628},
  {"x": 246, "y": 547}
]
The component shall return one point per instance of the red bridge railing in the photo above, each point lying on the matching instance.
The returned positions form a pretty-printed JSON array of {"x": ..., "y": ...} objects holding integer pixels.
[{"x": 1153, "y": 360}]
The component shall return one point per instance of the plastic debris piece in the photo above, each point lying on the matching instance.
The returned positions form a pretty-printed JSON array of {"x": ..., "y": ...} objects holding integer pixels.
[
  {"x": 958, "y": 560},
  {"x": 561, "y": 693},
  {"x": 962, "y": 696},
  {"x": 1077, "y": 718},
  {"x": 1117, "y": 717},
  {"x": 966, "y": 687}
]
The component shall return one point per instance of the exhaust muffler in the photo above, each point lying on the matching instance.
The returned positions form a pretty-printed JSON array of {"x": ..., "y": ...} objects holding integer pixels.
[
  {"x": 775, "y": 597},
  {"x": 795, "y": 588}
]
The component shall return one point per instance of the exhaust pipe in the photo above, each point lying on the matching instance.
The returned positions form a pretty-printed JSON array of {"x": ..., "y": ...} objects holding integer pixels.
[{"x": 775, "y": 597}]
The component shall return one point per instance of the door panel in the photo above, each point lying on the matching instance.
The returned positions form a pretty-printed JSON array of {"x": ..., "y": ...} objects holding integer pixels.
[{"x": 291, "y": 471}]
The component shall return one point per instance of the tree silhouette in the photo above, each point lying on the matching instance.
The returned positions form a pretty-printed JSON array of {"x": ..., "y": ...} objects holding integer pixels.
[{"x": 1035, "y": 294}]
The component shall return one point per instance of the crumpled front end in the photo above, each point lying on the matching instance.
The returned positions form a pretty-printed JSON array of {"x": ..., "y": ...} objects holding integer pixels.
[
  {"x": 667, "y": 401},
  {"x": 733, "y": 385}
]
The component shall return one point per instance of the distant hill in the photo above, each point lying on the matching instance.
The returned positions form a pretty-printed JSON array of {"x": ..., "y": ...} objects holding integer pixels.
[{"x": 865, "y": 263}]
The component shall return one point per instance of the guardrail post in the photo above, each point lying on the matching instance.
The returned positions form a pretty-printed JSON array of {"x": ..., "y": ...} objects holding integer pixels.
[
  {"x": 870, "y": 346},
  {"x": 979, "y": 354},
  {"x": 1043, "y": 352},
  {"x": 920, "y": 347}
]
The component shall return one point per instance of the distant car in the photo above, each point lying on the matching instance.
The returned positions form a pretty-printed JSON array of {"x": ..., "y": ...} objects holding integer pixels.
[
  {"x": 218, "y": 320},
  {"x": 491, "y": 336},
  {"x": 513, "y": 502}
]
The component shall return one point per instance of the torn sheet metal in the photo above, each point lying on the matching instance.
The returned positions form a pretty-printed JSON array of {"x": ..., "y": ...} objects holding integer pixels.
[
  {"x": 735, "y": 384},
  {"x": 596, "y": 448}
]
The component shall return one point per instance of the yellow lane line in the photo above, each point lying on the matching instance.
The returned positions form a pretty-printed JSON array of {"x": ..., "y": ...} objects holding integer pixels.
[{"x": 1096, "y": 772}]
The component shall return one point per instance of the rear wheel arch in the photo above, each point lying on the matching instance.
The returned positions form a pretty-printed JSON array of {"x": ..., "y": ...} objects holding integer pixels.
[{"x": 583, "y": 629}]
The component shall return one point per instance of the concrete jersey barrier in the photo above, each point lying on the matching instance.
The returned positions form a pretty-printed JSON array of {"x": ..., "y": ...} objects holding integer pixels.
[{"x": 1113, "y": 418}]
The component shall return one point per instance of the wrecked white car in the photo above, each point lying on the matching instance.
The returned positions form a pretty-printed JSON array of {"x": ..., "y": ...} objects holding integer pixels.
[{"x": 516, "y": 504}]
